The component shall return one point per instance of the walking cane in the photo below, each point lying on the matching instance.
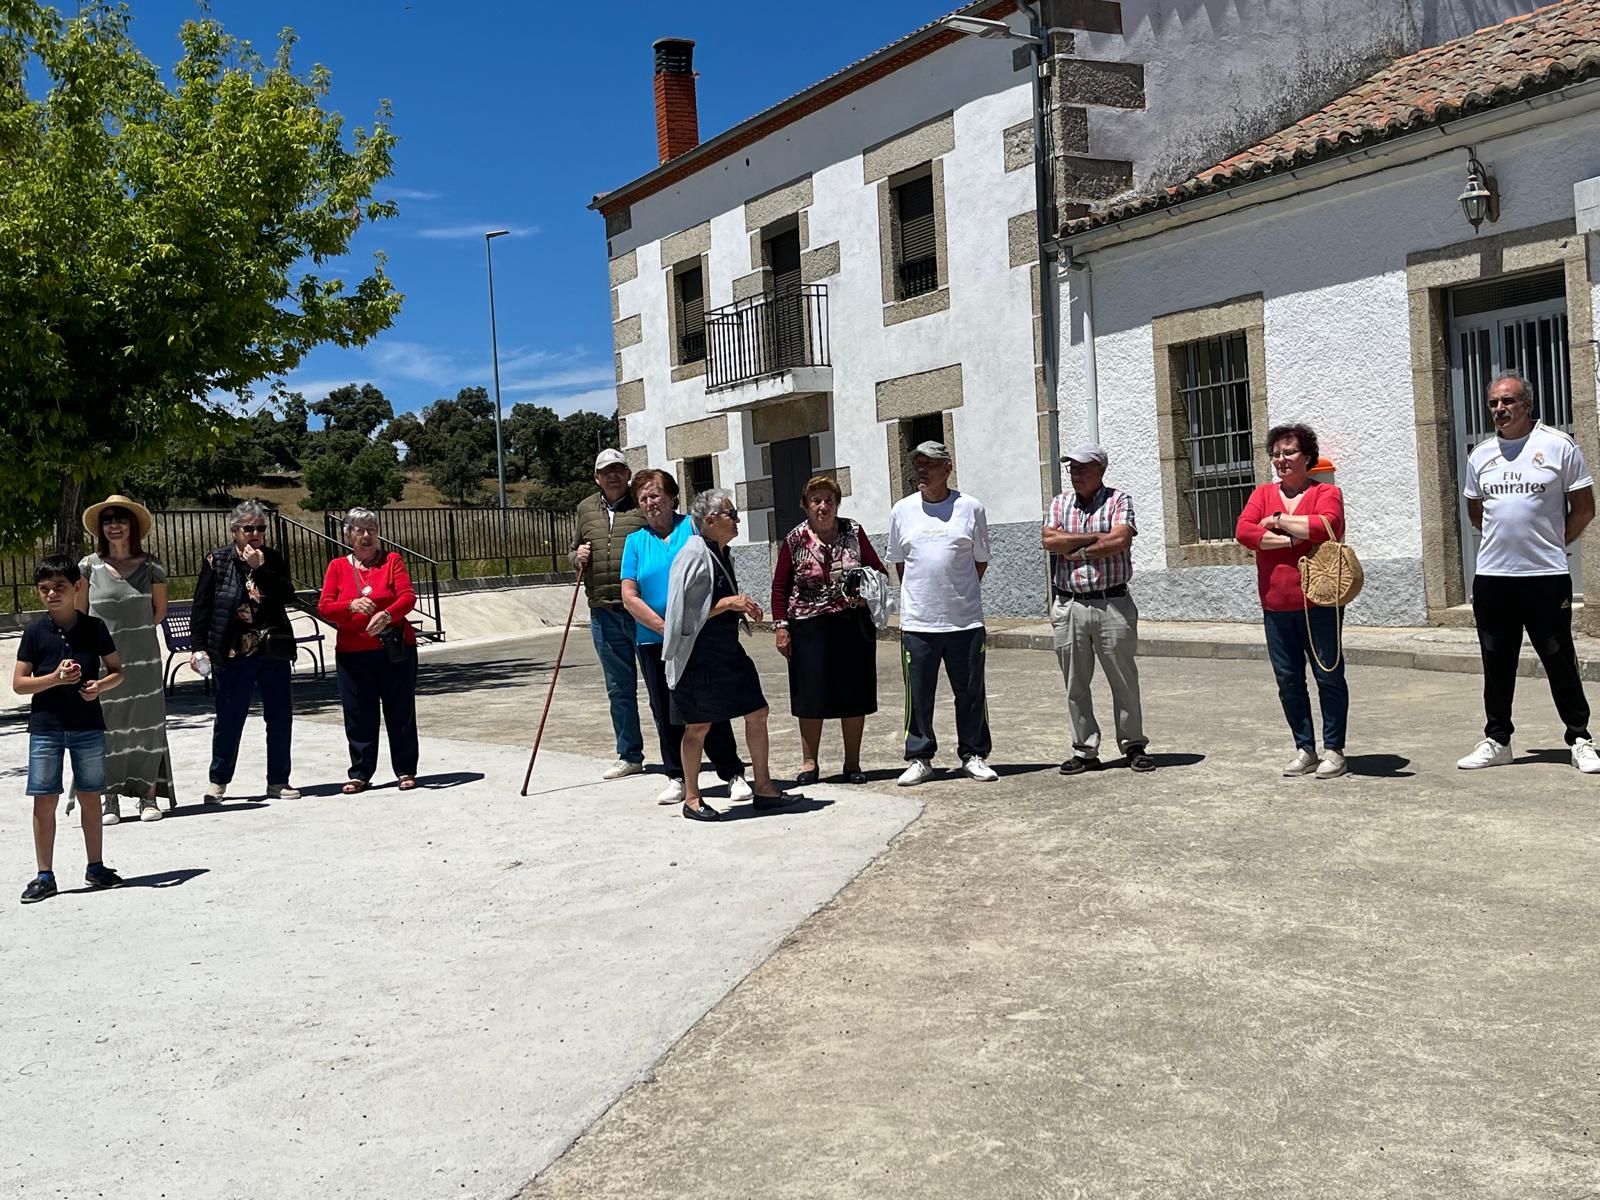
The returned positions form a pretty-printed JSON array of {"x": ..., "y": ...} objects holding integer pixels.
[{"x": 551, "y": 694}]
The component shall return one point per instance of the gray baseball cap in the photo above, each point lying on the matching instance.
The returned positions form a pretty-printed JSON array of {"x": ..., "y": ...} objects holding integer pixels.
[
  {"x": 610, "y": 458},
  {"x": 932, "y": 450},
  {"x": 1087, "y": 452}
]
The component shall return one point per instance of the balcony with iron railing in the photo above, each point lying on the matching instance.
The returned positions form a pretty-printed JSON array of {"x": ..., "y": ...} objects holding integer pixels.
[{"x": 768, "y": 346}]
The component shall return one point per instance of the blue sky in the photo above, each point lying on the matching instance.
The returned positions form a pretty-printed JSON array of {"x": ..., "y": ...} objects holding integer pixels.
[{"x": 513, "y": 116}]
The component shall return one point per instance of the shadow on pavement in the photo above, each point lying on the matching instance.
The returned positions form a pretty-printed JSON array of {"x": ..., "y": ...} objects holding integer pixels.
[
  {"x": 748, "y": 812},
  {"x": 199, "y": 810},
  {"x": 1562, "y": 756},
  {"x": 158, "y": 879},
  {"x": 1178, "y": 760},
  {"x": 1379, "y": 766}
]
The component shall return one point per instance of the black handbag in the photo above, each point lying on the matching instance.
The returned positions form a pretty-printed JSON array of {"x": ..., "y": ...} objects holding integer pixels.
[{"x": 393, "y": 638}]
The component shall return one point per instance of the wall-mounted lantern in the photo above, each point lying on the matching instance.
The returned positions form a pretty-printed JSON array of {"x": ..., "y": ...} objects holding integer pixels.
[{"x": 1481, "y": 199}]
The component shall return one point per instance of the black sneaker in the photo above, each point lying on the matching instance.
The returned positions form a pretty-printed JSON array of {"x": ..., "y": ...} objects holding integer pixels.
[
  {"x": 1078, "y": 764},
  {"x": 102, "y": 876},
  {"x": 39, "y": 888}
]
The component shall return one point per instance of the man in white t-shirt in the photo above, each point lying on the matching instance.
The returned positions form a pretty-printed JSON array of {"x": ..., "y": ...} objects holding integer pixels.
[
  {"x": 1529, "y": 490},
  {"x": 939, "y": 543}
]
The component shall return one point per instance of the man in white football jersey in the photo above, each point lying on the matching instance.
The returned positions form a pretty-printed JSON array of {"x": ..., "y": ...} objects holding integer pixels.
[{"x": 1530, "y": 492}]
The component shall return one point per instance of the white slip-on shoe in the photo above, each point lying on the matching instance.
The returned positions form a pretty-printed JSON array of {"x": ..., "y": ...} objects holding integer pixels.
[
  {"x": 1585, "y": 757},
  {"x": 622, "y": 768},
  {"x": 920, "y": 771},
  {"x": 149, "y": 811},
  {"x": 1303, "y": 763},
  {"x": 282, "y": 791},
  {"x": 214, "y": 793},
  {"x": 1487, "y": 753},
  {"x": 1332, "y": 765},
  {"x": 977, "y": 769},
  {"x": 739, "y": 789},
  {"x": 110, "y": 810},
  {"x": 672, "y": 793}
]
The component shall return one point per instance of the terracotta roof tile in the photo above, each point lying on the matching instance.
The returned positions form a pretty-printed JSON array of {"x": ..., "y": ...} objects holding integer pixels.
[{"x": 1548, "y": 48}]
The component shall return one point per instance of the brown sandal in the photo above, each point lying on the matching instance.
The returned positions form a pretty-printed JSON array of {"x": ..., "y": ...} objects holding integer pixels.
[
  {"x": 407, "y": 782},
  {"x": 354, "y": 786}
]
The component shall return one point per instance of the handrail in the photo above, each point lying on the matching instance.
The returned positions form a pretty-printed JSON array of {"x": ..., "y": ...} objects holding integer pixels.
[
  {"x": 765, "y": 334},
  {"x": 308, "y": 552}
]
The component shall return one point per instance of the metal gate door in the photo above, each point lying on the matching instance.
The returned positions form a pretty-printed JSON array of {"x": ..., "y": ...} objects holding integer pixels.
[{"x": 1517, "y": 324}]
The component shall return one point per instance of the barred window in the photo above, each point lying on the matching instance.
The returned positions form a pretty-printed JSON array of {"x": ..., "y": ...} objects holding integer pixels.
[
  {"x": 690, "y": 299},
  {"x": 1214, "y": 398},
  {"x": 917, "y": 246}
]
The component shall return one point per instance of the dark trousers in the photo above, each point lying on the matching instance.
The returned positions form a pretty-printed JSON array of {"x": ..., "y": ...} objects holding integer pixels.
[
  {"x": 721, "y": 750},
  {"x": 1503, "y": 606},
  {"x": 368, "y": 680},
  {"x": 962, "y": 655},
  {"x": 1289, "y": 648},
  {"x": 237, "y": 681}
]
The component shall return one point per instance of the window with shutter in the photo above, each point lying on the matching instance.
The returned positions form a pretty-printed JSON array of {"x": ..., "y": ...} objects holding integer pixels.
[
  {"x": 917, "y": 253},
  {"x": 691, "y": 315}
]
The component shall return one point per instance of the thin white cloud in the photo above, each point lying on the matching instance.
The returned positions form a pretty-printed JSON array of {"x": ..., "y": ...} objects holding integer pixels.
[
  {"x": 413, "y": 360},
  {"x": 557, "y": 380},
  {"x": 474, "y": 230},
  {"x": 402, "y": 193},
  {"x": 317, "y": 389},
  {"x": 600, "y": 400}
]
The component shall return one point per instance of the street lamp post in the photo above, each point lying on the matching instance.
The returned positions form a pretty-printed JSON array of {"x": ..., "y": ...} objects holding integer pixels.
[
  {"x": 1037, "y": 39},
  {"x": 494, "y": 350}
]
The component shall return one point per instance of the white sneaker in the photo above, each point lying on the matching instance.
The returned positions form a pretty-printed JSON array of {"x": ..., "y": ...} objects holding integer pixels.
[
  {"x": 110, "y": 810},
  {"x": 1332, "y": 765},
  {"x": 920, "y": 771},
  {"x": 214, "y": 793},
  {"x": 622, "y": 768},
  {"x": 739, "y": 789},
  {"x": 282, "y": 791},
  {"x": 1303, "y": 763},
  {"x": 1585, "y": 757},
  {"x": 672, "y": 793},
  {"x": 148, "y": 811},
  {"x": 1487, "y": 753},
  {"x": 977, "y": 769}
]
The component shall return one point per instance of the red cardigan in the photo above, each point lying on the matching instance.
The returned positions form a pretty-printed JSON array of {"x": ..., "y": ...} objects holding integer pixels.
[
  {"x": 1278, "y": 571},
  {"x": 391, "y": 591}
]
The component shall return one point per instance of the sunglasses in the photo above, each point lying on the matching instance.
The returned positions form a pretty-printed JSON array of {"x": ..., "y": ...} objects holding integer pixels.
[
  {"x": 115, "y": 518},
  {"x": 252, "y": 529}
]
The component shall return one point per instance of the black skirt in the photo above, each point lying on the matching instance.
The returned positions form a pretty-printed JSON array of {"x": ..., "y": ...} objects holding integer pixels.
[
  {"x": 719, "y": 682},
  {"x": 833, "y": 666}
]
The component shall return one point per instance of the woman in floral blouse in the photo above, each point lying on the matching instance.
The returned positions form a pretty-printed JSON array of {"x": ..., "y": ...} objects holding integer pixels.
[{"x": 823, "y": 627}]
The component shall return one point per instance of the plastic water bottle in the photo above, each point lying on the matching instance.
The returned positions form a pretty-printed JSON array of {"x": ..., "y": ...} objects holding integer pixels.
[{"x": 202, "y": 666}]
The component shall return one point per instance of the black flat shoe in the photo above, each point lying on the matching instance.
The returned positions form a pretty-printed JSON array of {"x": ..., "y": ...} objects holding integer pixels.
[
  {"x": 704, "y": 813},
  {"x": 806, "y": 778},
  {"x": 772, "y": 803},
  {"x": 857, "y": 776}
]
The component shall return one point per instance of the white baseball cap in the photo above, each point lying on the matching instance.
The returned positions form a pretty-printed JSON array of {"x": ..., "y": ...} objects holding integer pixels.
[{"x": 610, "y": 458}]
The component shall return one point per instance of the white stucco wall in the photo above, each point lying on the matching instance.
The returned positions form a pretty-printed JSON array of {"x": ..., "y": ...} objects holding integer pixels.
[{"x": 1331, "y": 266}]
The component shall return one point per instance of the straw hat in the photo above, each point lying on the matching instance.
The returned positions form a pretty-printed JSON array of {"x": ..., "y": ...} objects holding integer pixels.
[{"x": 141, "y": 514}]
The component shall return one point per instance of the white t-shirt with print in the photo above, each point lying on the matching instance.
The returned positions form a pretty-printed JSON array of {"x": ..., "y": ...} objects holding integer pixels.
[
  {"x": 1523, "y": 483},
  {"x": 940, "y": 545}
]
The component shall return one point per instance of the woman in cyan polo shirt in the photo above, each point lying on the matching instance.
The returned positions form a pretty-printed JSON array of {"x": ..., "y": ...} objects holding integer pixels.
[{"x": 646, "y": 566}]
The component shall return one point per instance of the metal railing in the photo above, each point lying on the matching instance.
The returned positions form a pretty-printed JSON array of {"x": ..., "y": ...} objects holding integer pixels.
[
  {"x": 763, "y": 335},
  {"x": 474, "y": 542},
  {"x": 692, "y": 346},
  {"x": 918, "y": 276},
  {"x": 309, "y": 551}
]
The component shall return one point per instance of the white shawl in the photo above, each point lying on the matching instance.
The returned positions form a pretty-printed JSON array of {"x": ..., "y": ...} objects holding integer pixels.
[{"x": 689, "y": 590}]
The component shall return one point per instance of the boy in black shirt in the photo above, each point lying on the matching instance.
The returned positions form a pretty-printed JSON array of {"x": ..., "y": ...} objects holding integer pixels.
[{"x": 58, "y": 664}]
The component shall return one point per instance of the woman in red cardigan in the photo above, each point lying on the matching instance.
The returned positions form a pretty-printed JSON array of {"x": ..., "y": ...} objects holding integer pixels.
[
  {"x": 366, "y": 596},
  {"x": 1282, "y": 522}
]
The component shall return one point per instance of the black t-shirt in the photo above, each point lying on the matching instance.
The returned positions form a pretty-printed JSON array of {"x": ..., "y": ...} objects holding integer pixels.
[{"x": 44, "y": 646}]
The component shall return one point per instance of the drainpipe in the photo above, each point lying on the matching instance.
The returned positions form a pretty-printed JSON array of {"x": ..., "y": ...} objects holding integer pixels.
[
  {"x": 1091, "y": 372},
  {"x": 1044, "y": 219}
]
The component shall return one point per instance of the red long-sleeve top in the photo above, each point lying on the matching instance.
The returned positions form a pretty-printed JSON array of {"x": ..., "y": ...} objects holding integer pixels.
[
  {"x": 390, "y": 589},
  {"x": 1278, "y": 571},
  {"x": 808, "y": 579}
]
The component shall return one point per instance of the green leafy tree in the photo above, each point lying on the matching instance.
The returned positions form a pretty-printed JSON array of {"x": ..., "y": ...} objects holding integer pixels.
[
  {"x": 530, "y": 432},
  {"x": 583, "y": 435},
  {"x": 406, "y": 429},
  {"x": 458, "y": 473},
  {"x": 334, "y": 443},
  {"x": 281, "y": 440},
  {"x": 161, "y": 243},
  {"x": 370, "y": 479},
  {"x": 356, "y": 409}
]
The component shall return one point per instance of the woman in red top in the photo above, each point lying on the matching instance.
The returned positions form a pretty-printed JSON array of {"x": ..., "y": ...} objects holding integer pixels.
[
  {"x": 366, "y": 596},
  {"x": 823, "y": 629},
  {"x": 1282, "y": 522}
]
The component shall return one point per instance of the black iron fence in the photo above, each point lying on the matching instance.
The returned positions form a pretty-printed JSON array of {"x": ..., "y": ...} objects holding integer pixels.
[
  {"x": 470, "y": 543},
  {"x": 766, "y": 334}
]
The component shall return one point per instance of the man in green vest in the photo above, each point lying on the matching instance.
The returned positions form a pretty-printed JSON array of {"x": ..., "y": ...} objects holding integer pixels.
[{"x": 604, "y": 522}]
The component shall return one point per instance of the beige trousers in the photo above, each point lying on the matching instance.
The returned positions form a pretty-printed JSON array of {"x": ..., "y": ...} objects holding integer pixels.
[{"x": 1107, "y": 630}]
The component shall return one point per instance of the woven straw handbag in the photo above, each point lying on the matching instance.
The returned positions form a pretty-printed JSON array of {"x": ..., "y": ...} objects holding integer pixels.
[{"x": 1330, "y": 576}]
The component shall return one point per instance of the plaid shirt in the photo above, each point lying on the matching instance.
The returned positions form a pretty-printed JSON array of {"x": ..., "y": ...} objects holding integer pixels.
[{"x": 1109, "y": 508}]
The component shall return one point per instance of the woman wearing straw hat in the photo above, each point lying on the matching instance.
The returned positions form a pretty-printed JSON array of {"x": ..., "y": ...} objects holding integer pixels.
[{"x": 125, "y": 586}]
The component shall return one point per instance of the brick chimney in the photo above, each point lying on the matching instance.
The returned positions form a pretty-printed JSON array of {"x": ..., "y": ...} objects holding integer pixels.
[{"x": 677, "y": 121}]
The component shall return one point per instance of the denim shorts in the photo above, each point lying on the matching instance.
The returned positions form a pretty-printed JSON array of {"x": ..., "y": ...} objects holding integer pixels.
[{"x": 46, "y": 752}]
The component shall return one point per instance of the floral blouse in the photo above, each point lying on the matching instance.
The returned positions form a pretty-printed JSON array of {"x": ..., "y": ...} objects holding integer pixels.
[{"x": 809, "y": 580}]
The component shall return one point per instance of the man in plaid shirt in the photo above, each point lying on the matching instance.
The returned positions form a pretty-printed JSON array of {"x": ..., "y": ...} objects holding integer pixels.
[{"x": 1089, "y": 536}]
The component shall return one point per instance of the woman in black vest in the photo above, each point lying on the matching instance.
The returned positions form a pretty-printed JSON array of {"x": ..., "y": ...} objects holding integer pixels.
[{"x": 242, "y": 623}]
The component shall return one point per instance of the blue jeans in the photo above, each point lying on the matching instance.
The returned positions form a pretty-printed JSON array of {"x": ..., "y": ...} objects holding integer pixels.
[
  {"x": 237, "y": 680},
  {"x": 1290, "y": 649},
  {"x": 613, "y": 644},
  {"x": 47, "y": 750}
]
